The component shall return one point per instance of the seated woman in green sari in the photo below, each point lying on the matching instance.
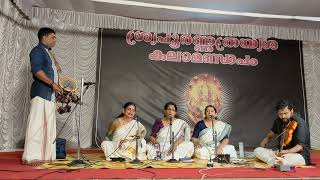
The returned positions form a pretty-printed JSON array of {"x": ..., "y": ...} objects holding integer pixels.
[{"x": 121, "y": 136}]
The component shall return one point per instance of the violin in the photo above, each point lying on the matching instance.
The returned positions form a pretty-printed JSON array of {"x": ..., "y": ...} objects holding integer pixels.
[{"x": 287, "y": 137}]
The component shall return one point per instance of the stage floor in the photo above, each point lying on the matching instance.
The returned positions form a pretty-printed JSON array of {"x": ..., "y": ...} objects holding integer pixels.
[
  {"x": 96, "y": 160},
  {"x": 99, "y": 168}
]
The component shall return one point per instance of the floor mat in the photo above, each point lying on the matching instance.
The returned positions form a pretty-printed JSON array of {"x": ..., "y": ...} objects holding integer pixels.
[{"x": 97, "y": 161}]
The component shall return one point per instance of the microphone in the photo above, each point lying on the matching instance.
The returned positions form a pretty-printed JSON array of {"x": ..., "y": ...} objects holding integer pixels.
[
  {"x": 170, "y": 119},
  {"x": 213, "y": 117},
  {"x": 176, "y": 135},
  {"x": 89, "y": 83}
]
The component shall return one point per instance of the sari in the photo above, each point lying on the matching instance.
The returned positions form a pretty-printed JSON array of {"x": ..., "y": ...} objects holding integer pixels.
[
  {"x": 206, "y": 141},
  {"x": 180, "y": 129},
  {"x": 127, "y": 150}
]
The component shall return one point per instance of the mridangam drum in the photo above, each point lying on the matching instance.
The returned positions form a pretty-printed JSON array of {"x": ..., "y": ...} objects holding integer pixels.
[{"x": 68, "y": 84}]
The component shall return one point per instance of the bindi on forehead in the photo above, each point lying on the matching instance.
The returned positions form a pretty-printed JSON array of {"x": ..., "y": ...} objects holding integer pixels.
[
  {"x": 131, "y": 108},
  {"x": 171, "y": 108}
]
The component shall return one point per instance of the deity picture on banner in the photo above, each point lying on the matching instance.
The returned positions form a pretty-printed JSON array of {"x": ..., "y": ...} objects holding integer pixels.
[{"x": 202, "y": 90}]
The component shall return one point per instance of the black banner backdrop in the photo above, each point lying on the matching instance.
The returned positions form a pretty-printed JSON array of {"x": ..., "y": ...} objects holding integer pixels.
[{"x": 242, "y": 77}]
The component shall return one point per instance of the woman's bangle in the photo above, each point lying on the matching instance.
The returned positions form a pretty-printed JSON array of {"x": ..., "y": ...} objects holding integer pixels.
[{"x": 52, "y": 83}]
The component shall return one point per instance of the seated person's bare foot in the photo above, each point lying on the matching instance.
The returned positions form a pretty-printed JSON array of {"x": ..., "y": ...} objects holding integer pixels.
[
  {"x": 33, "y": 163},
  {"x": 279, "y": 160}
]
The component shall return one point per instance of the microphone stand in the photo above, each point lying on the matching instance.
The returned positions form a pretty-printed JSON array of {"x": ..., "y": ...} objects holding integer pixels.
[
  {"x": 214, "y": 138},
  {"x": 136, "y": 160},
  {"x": 79, "y": 162},
  {"x": 172, "y": 160}
]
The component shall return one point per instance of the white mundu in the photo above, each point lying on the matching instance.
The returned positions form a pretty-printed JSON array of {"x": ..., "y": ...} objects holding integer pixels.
[
  {"x": 41, "y": 132},
  {"x": 268, "y": 156}
]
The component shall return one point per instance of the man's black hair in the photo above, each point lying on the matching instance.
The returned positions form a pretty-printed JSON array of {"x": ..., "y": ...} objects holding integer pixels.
[
  {"x": 282, "y": 104},
  {"x": 45, "y": 31}
]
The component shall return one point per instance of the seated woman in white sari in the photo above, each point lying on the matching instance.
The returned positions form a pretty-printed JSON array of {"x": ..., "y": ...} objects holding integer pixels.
[
  {"x": 202, "y": 137},
  {"x": 160, "y": 147},
  {"x": 121, "y": 136}
]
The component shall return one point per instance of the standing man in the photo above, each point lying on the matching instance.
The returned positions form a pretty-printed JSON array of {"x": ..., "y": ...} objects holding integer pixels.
[
  {"x": 295, "y": 144},
  {"x": 41, "y": 129}
]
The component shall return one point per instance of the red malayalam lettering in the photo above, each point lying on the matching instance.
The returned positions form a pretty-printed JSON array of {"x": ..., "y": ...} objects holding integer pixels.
[
  {"x": 201, "y": 43},
  {"x": 197, "y": 57}
]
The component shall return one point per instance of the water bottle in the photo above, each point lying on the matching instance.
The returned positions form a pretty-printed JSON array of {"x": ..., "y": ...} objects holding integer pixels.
[{"x": 241, "y": 150}]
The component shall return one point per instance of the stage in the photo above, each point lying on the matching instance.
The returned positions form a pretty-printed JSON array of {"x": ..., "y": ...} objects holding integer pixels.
[{"x": 98, "y": 168}]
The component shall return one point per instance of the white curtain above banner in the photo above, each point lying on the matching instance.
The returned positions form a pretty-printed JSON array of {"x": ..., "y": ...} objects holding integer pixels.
[
  {"x": 25, "y": 7},
  {"x": 117, "y": 22}
]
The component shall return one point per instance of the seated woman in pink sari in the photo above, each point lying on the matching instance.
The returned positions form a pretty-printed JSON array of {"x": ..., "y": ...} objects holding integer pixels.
[
  {"x": 121, "y": 136},
  {"x": 203, "y": 136},
  {"x": 160, "y": 144}
]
